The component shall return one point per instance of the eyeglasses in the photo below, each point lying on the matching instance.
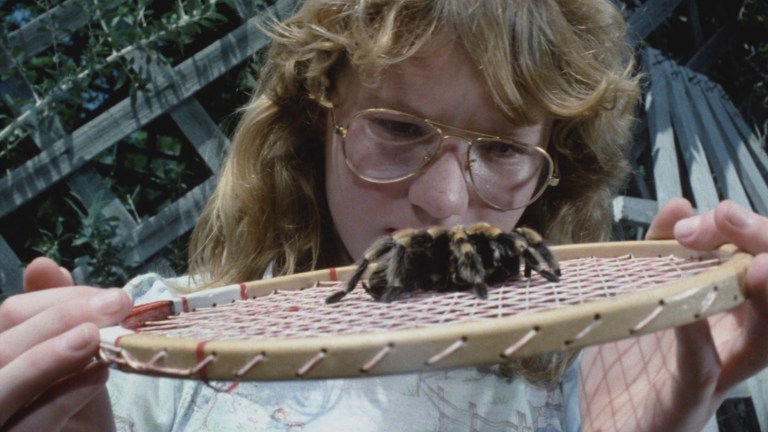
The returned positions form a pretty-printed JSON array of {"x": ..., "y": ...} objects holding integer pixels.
[{"x": 387, "y": 146}]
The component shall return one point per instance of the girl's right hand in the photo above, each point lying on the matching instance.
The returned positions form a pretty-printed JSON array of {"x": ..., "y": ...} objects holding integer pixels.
[{"x": 49, "y": 336}]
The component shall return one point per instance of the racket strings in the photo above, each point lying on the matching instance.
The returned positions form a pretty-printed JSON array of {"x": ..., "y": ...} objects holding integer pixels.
[{"x": 287, "y": 314}]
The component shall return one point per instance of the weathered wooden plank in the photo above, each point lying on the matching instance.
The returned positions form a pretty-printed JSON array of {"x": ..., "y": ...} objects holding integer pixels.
[
  {"x": 11, "y": 273},
  {"x": 637, "y": 153},
  {"x": 644, "y": 19},
  {"x": 202, "y": 132},
  {"x": 171, "y": 222},
  {"x": 86, "y": 183},
  {"x": 694, "y": 20},
  {"x": 758, "y": 387},
  {"x": 34, "y": 36},
  {"x": 712, "y": 50},
  {"x": 194, "y": 121},
  {"x": 722, "y": 160},
  {"x": 73, "y": 151},
  {"x": 247, "y": 8},
  {"x": 636, "y": 210},
  {"x": 746, "y": 134},
  {"x": 91, "y": 188},
  {"x": 638, "y": 177},
  {"x": 720, "y": 129},
  {"x": 745, "y": 142},
  {"x": 666, "y": 173},
  {"x": 699, "y": 171}
]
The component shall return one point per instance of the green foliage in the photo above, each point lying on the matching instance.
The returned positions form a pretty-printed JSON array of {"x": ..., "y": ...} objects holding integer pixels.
[
  {"x": 754, "y": 16},
  {"x": 63, "y": 63},
  {"x": 96, "y": 242},
  {"x": 50, "y": 242},
  {"x": 105, "y": 257},
  {"x": 84, "y": 66},
  {"x": 150, "y": 169}
]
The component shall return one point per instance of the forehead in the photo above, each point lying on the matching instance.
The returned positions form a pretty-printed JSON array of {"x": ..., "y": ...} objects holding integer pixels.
[{"x": 441, "y": 82}]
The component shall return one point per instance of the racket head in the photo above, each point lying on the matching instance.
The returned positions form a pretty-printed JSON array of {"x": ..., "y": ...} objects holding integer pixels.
[{"x": 595, "y": 320}]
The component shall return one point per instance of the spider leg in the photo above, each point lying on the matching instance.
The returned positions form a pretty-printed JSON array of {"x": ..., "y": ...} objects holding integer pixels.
[
  {"x": 469, "y": 264},
  {"x": 374, "y": 253},
  {"x": 528, "y": 245},
  {"x": 391, "y": 293},
  {"x": 377, "y": 282},
  {"x": 536, "y": 254},
  {"x": 534, "y": 261},
  {"x": 481, "y": 289},
  {"x": 397, "y": 273}
]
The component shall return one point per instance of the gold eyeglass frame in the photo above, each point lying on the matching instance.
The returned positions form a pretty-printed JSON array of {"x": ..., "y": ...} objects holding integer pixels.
[{"x": 553, "y": 177}]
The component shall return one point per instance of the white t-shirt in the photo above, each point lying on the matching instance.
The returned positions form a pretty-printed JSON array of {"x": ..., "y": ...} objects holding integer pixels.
[{"x": 464, "y": 399}]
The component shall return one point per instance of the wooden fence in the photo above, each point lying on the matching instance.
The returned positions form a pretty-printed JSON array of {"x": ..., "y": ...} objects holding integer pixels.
[
  {"x": 699, "y": 147},
  {"x": 65, "y": 157},
  {"x": 687, "y": 115}
]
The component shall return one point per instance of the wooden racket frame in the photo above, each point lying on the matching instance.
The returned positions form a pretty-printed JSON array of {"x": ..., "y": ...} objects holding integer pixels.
[{"x": 440, "y": 346}]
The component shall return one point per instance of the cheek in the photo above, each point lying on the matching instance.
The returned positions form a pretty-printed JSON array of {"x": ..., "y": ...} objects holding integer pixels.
[
  {"x": 337, "y": 179},
  {"x": 333, "y": 166},
  {"x": 344, "y": 199},
  {"x": 349, "y": 202}
]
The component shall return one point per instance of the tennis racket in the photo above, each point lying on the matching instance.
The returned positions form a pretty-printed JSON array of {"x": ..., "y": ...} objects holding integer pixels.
[{"x": 281, "y": 328}]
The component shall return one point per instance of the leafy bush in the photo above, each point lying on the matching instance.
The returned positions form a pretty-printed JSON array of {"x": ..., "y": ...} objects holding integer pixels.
[{"x": 82, "y": 70}]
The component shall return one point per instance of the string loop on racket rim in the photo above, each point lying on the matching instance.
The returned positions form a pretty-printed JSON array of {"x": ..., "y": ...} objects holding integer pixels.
[{"x": 281, "y": 328}]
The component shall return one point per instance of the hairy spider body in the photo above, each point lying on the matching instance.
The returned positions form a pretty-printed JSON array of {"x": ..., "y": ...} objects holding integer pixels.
[{"x": 443, "y": 259}]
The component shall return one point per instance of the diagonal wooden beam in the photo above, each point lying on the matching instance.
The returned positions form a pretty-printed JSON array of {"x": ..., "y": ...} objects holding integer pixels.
[{"x": 73, "y": 151}]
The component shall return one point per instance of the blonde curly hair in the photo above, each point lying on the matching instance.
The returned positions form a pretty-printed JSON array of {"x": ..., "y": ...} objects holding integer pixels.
[{"x": 567, "y": 57}]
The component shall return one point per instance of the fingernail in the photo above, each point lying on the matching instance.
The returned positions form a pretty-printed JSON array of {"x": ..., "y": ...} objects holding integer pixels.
[
  {"x": 739, "y": 217},
  {"x": 687, "y": 228},
  {"x": 77, "y": 339},
  {"x": 109, "y": 302}
]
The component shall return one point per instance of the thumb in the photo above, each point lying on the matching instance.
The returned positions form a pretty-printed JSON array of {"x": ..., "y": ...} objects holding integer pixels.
[{"x": 43, "y": 273}]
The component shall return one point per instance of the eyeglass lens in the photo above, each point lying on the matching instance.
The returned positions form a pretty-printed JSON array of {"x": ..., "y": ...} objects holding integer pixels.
[{"x": 386, "y": 146}]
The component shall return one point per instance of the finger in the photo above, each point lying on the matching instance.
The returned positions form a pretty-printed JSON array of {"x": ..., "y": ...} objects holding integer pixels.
[
  {"x": 742, "y": 227},
  {"x": 20, "y": 308},
  {"x": 728, "y": 222},
  {"x": 34, "y": 370},
  {"x": 699, "y": 232},
  {"x": 96, "y": 415},
  {"x": 106, "y": 308},
  {"x": 63, "y": 401},
  {"x": 693, "y": 397},
  {"x": 43, "y": 273},
  {"x": 749, "y": 352},
  {"x": 698, "y": 363},
  {"x": 662, "y": 225},
  {"x": 757, "y": 284}
]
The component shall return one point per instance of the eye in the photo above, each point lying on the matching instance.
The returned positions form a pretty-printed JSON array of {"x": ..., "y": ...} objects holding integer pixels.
[
  {"x": 501, "y": 150},
  {"x": 398, "y": 130}
]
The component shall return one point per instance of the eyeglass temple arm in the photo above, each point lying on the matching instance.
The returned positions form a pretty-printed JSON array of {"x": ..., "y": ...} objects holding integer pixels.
[
  {"x": 338, "y": 129},
  {"x": 555, "y": 180}
]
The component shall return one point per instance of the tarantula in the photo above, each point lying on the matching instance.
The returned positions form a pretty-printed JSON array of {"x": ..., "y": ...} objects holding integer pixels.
[{"x": 442, "y": 259}]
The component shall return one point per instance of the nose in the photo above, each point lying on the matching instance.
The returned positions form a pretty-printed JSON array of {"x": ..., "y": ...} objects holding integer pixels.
[{"x": 441, "y": 189}]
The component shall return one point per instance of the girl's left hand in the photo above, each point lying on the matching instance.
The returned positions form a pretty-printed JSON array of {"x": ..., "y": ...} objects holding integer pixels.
[{"x": 676, "y": 379}]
